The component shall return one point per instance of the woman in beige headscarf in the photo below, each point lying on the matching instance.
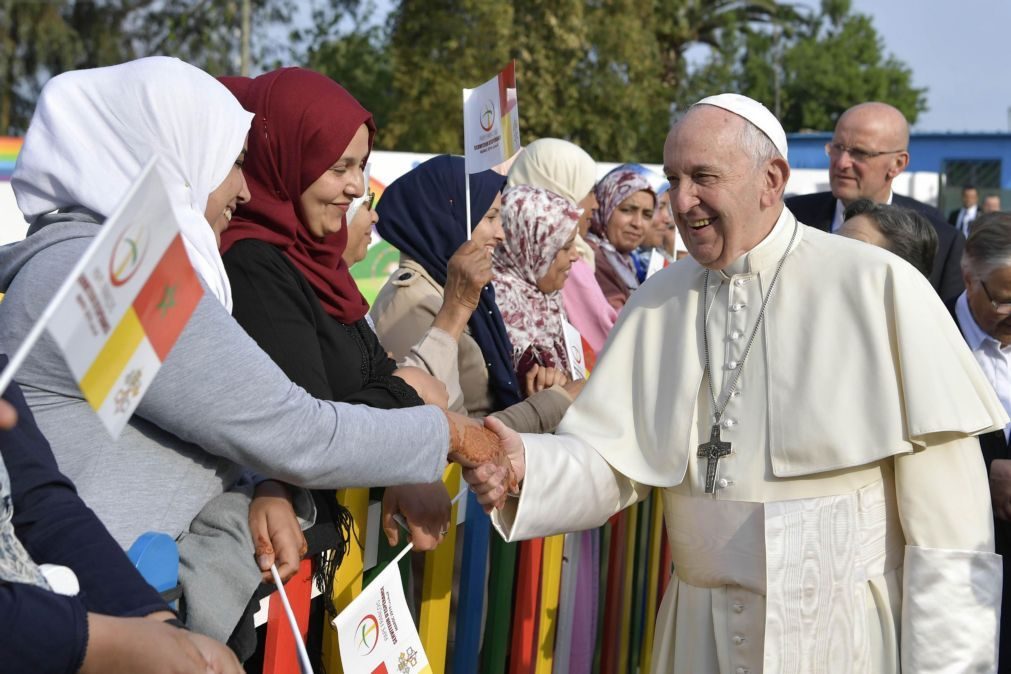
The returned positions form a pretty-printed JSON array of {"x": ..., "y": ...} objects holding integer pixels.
[{"x": 568, "y": 171}]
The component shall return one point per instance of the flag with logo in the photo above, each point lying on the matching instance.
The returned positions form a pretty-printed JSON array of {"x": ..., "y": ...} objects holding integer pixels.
[
  {"x": 127, "y": 301},
  {"x": 491, "y": 121},
  {"x": 376, "y": 634}
]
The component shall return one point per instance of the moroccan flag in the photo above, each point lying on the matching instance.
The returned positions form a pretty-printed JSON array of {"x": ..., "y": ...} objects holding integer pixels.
[
  {"x": 127, "y": 301},
  {"x": 491, "y": 121}
]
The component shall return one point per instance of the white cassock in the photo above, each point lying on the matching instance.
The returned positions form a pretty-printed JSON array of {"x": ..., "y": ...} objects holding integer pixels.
[{"x": 851, "y": 526}]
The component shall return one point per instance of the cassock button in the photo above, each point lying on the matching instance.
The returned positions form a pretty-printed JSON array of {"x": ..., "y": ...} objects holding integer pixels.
[
  {"x": 742, "y": 670},
  {"x": 738, "y": 608},
  {"x": 735, "y": 393},
  {"x": 738, "y": 640},
  {"x": 737, "y": 306},
  {"x": 729, "y": 423},
  {"x": 723, "y": 483},
  {"x": 740, "y": 282},
  {"x": 736, "y": 334},
  {"x": 731, "y": 365}
]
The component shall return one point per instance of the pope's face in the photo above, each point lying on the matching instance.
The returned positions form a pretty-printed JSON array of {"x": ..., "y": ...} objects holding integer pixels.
[
  {"x": 723, "y": 205},
  {"x": 996, "y": 287}
]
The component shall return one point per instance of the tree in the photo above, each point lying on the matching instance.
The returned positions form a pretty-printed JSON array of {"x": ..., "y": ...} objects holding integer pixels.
[
  {"x": 39, "y": 39},
  {"x": 357, "y": 58},
  {"x": 437, "y": 48},
  {"x": 601, "y": 73},
  {"x": 811, "y": 70},
  {"x": 35, "y": 39}
]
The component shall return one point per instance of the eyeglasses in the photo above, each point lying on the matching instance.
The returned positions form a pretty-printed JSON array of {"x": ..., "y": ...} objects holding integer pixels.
[
  {"x": 999, "y": 307},
  {"x": 835, "y": 150}
]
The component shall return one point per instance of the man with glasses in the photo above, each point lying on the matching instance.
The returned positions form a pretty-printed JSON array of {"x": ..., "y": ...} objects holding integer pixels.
[
  {"x": 983, "y": 313},
  {"x": 868, "y": 150}
]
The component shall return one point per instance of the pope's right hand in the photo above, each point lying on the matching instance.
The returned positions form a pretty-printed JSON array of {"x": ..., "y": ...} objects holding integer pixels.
[{"x": 492, "y": 483}]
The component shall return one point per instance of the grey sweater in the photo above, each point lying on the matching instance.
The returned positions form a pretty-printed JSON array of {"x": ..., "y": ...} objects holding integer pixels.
[{"x": 217, "y": 405}]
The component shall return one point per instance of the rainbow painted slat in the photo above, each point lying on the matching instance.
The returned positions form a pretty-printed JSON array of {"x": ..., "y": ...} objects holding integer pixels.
[{"x": 9, "y": 148}]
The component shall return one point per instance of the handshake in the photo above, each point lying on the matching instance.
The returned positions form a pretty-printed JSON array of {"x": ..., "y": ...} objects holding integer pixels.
[{"x": 491, "y": 456}]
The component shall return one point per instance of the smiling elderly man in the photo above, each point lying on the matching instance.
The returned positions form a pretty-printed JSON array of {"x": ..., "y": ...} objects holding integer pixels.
[
  {"x": 869, "y": 148},
  {"x": 809, "y": 408},
  {"x": 983, "y": 313}
]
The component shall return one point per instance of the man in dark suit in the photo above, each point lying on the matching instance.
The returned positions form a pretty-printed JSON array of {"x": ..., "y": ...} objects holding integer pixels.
[
  {"x": 961, "y": 218},
  {"x": 983, "y": 314},
  {"x": 868, "y": 149}
]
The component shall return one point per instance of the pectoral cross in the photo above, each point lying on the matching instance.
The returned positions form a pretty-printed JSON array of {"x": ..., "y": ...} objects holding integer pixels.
[{"x": 714, "y": 450}]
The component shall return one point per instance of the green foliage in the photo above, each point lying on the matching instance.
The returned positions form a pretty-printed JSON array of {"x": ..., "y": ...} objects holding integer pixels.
[
  {"x": 356, "y": 58},
  {"x": 437, "y": 48},
  {"x": 35, "y": 39},
  {"x": 602, "y": 73},
  {"x": 810, "y": 70},
  {"x": 607, "y": 74},
  {"x": 41, "y": 38}
]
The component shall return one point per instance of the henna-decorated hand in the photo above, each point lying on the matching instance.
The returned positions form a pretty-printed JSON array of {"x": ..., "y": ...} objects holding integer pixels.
[
  {"x": 491, "y": 482},
  {"x": 471, "y": 445}
]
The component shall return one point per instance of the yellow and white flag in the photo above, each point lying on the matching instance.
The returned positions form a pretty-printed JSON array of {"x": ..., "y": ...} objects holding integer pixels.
[
  {"x": 376, "y": 633},
  {"x": 127, "y": 301},
  {"x": 491, "y": 121}
]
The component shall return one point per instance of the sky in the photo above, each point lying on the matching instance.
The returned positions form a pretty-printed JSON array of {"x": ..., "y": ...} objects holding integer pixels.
[{"x": 958, "y": 49}]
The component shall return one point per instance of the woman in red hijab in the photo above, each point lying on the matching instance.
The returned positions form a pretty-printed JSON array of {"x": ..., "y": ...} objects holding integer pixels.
[{"x": 291, "y": 289}]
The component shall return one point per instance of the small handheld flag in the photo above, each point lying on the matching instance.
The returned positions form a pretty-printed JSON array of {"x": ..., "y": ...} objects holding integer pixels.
[{"x": 124, "y": 305}]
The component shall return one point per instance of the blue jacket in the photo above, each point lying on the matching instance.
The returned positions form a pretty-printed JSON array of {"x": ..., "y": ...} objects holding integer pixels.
[{"x": 43, "y": 631}]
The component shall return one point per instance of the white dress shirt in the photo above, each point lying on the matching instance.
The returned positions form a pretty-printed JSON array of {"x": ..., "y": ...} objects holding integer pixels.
[
  {"x": 994, "y": 360},
  {"x": 965, "y": 218},
  {"x": 840, "y": 212}
]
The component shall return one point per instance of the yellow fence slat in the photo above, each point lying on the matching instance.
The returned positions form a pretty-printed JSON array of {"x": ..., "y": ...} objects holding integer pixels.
[
  {"x": 626, "y": 588},
  {"x": 551, "y": 581},
  {"x": 652, "y": 580},
  {"x": 437, "y": 590},
  {"x": 348, "y": 581}
]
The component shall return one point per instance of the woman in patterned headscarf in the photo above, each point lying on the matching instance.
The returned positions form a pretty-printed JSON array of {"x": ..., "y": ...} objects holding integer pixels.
[
  {"x": 625, "y": 208},
  {"x": 530, "y": 268}
]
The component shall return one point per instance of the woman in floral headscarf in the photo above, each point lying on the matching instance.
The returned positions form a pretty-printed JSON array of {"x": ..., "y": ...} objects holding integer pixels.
[
  {"x": 530, "y": 269},
  {"x": 625, "y": 209}
]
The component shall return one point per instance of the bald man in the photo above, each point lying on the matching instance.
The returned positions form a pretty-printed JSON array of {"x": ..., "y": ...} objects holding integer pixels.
[{"x": 869, "y": 148}]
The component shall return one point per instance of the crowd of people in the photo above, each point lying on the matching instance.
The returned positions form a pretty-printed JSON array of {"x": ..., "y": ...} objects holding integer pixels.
[{"x": 286, "y": 385}]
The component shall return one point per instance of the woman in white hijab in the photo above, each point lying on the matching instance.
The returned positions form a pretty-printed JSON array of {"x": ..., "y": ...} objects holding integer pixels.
[
  {"x": 219, "y": 406},
  {"x": 94, "y": 130},
  {"x": 567, "y": 170}
]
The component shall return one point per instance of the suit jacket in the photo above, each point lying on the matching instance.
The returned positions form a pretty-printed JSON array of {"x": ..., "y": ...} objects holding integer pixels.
[
  {"x": 817, "y": 210},
  {"x": 995, "y": 446}
]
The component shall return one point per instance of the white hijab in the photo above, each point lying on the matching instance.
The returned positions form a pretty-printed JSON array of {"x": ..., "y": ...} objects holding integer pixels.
[
  {"x": 560, "y": 167},
  {"x": 94, "y": 130}
]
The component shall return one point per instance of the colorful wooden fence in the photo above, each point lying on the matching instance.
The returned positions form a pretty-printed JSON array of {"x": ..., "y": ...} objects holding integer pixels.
[{"x": 530, "y": 625}]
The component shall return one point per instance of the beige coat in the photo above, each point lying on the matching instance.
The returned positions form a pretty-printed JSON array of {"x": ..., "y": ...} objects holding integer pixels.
[{"x": 403, "y": 314}]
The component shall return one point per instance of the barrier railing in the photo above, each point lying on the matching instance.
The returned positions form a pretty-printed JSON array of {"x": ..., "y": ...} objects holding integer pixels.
[{"x": 532, "y": 628}]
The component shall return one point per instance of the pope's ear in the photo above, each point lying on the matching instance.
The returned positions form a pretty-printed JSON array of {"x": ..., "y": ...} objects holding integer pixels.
[{"x": 776, "y": 174}]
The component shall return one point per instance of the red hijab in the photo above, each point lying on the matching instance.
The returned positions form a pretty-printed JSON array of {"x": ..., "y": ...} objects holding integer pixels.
[{"x": 304, "y": 121}]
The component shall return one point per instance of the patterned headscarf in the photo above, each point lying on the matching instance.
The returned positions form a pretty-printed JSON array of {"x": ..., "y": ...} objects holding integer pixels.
[
  {"x": 304, "y": 122},
  {"x": 614, "y": 188},
  {"x": 537, "y": 224}
]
